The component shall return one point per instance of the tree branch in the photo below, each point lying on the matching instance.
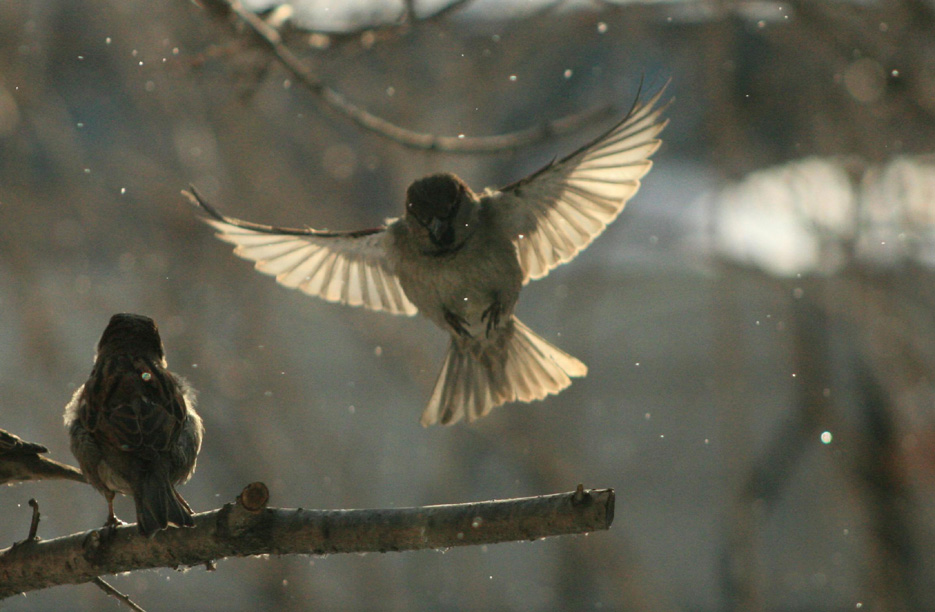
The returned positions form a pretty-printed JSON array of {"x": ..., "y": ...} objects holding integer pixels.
[
  {"x": 247, "y": 527},
  {"x": 272, "y": 40},
  {"x": 370, "y": 34},
  {"x": 107, "y": 588}
]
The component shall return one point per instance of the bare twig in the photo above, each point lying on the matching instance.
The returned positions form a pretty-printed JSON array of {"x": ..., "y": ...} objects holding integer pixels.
[
  {"x": 21, "y": 460},
  {"x": 370, "y": 34},
  {"x": 34, "y": 523},
  {"x": 882, "y": 478},
  {"x": 740, "y": 573},
  {"x": 444, "y": 11},
  {"x": 107, "y": 588},
  {"x": 236, "y": 531},
  {"x": 812, "y": 334},
  {"x": 409, "y": 10},
  {"x": 271, "y": 38}
]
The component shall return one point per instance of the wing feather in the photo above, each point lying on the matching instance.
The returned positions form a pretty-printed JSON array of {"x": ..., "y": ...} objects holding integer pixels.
[
  {"x": 345, "y": 267},
  {"x": 558, "y": 211}
]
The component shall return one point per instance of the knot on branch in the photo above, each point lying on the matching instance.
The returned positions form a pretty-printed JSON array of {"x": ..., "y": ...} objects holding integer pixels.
[
  {"x": 254, "y": 497},
  {"x": 236, "y": 518},
  {"x": 93, "y": 547}
]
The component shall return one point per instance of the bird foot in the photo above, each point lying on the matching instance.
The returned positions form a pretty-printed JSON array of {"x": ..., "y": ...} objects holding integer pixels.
[
  {"x": 114, "y": 522},
  {"x": 109, "y": 530},
  {"x": 492, "y": 316},
  {"x": 457, "y": 323}
]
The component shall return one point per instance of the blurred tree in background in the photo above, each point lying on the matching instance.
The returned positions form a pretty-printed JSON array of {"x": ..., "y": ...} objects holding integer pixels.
[{"x": 758, "y": 323}]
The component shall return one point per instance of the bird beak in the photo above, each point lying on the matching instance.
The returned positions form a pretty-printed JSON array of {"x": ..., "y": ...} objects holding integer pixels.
[{"x": 438, "y": 228}]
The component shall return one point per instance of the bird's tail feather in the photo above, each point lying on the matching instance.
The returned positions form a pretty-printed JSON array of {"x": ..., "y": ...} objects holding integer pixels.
[
  {"x": 159, "y": 505},
  {"x": 524, "y": 369}
]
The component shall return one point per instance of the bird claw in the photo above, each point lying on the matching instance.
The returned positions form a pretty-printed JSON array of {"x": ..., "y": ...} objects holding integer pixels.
[
  {"x": 457, "y": 323},
  {"x": 492, "y": 316},
  {"x": 110, "y": 526},
  {"x": 114, "y": 522}
]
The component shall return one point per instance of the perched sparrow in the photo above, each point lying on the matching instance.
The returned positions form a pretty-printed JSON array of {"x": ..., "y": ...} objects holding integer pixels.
[
  {"x": 22, "y": 460},
  {"x": 461, "y": 258},
  {"x": 133, "y": 425}
]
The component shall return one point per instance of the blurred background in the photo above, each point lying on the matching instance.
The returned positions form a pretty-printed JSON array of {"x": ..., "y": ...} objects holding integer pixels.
[{"x": 758, "y": 322}]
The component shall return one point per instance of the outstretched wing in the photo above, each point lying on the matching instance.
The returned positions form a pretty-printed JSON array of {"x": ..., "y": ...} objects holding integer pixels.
[
  {"x": 346, "y": 267},
  {"x": 556, "y": 212}
]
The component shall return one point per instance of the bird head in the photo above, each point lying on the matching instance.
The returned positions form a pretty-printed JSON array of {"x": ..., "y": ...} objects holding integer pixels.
[
  {"x": 131, "y": 334},
  {"x": 439, "y": 204}
]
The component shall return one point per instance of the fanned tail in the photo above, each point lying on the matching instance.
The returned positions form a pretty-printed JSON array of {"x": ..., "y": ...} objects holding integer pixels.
[
  {"x": 159, "y": 505},
  {"x": 476, "y": 378}
]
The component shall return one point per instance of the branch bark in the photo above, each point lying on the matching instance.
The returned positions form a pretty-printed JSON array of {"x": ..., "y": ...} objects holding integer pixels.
[
  {"x": 270, "y": 38},
  {"x": 247, "y": 527}
]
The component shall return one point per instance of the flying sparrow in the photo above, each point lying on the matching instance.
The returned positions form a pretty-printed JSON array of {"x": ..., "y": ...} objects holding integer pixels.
[
  {"x": 22, "y": 460},
  {"x": 133, "y": 425},
  {"x": 462, "y": 258}
]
